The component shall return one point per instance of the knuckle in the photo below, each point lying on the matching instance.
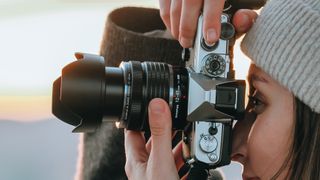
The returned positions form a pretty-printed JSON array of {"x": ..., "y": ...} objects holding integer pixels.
[
  {"x": 165, "y": 14},
  {"x": 174, "y": 32},
  {"x": 157, "y": 130},
  {"x": 211, "y": 17},
  {"x": 187, "y": 31},
  {"x": 175, "y": 11}
]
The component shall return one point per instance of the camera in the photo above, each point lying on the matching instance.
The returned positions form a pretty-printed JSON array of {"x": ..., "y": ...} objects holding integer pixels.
[{"x": 203, "y": 94}]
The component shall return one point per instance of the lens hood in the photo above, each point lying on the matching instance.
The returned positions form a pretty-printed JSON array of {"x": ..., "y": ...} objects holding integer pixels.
[{"x": 77, "y": 93}]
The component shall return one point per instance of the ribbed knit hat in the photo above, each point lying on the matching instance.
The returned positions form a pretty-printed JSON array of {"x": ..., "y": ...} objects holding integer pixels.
[{"x": 285, "y": 43}]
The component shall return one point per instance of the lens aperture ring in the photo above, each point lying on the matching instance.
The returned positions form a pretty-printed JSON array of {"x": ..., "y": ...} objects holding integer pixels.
[{"x": 135, "y": 120}]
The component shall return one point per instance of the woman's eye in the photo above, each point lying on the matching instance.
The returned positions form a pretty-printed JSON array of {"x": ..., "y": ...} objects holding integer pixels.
[{"x": 255, "y": 105}]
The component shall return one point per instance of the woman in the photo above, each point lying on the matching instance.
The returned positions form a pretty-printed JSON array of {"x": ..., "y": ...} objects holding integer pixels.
[{"x": 279, "y": 138}]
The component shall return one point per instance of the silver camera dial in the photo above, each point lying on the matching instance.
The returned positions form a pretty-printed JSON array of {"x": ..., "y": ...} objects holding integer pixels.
[
  {"x": 212, "y": 60},
  {"x": 208, "y": 143},
  {"x": 214, "y": 65}
]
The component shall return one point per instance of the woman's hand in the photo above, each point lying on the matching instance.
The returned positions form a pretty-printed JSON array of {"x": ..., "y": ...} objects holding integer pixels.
[
  {"x": 156, "y": 159},
  {"x": 181, "y": 18}
]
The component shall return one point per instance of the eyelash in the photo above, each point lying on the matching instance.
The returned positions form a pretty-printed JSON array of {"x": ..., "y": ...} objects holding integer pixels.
[{"x": 256, "y": 105}]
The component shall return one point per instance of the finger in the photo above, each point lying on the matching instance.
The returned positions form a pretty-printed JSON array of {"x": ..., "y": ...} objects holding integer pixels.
[
  {"x": 135, "y": 147},
  {"x": 149, "y": 143},
  {"x": 135, "y": 152},
  {"x": 177, "y": 154},
  {"x": 161, "y": 157},
  {"x": 160, "y": 125},
  {"x": 175, "y": 13},
  {"x": 243, "y": 19},
  {"x": 188, "y": 21},
  {"x": 185, "y": 177},
  {"x": 211, "y": 20},
  {"x": 165, "y": 12}
]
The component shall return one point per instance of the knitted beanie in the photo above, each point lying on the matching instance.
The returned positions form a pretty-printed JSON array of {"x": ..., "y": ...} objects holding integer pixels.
[{"x": 285, "y": 43}]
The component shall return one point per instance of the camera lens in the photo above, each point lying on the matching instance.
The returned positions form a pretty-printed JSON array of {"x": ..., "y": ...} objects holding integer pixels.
[{"x": 88, "y": 93}]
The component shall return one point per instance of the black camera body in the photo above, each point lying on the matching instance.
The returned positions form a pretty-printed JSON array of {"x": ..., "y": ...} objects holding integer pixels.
[{"x": 203, "y": 95}]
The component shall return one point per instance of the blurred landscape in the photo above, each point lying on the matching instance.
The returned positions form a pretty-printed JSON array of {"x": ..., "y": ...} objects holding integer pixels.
[
  {"x": 47, "y": 150},
  {"x": 42, "y": 150}
]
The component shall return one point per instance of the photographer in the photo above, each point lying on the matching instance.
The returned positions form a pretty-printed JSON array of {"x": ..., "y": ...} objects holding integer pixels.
[{"x": 279, "y": 137}]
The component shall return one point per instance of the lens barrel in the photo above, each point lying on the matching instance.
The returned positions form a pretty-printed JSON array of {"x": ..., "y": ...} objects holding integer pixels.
[
  {"x": 88, "y": 93},
  {"x": 148, "y": 80}
]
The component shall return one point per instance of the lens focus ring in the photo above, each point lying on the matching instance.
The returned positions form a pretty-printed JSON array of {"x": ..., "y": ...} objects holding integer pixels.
[
  {"x": 144, "y": 81},
  {"x": 157, "y": 80}
]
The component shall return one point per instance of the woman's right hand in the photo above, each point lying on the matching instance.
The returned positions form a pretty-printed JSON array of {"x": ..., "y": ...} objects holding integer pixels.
[{"x": 181, "y": 18}]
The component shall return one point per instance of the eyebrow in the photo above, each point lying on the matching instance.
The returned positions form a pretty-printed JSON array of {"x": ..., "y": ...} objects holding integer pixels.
[{"x": 254, "y": 77}]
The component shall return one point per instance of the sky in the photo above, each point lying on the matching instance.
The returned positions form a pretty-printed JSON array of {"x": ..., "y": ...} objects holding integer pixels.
[{"x": 39, "y": 37}]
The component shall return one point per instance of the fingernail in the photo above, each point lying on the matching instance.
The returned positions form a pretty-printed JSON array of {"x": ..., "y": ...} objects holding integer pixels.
[
  {"x": 156, "y": 106},
  {"x": 211, "y": 36},
  {"x": 185, "y": 42}
]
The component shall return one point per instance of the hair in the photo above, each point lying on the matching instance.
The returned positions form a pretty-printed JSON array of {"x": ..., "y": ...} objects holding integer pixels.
[
  {"x": 304, "y": 157},
  {"x": 305, "y": 151}
]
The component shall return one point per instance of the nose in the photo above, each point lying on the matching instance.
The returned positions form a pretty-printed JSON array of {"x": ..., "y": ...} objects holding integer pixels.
[
  {"x": 239, "y": 143},
  {"x": 240, "y": 137}
]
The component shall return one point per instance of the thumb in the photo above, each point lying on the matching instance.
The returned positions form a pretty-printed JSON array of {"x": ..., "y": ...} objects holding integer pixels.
[
  {"x": 161, "y": 162},
  {"x": 160, "y": 125},
  {"x": 243, "y": 20}
]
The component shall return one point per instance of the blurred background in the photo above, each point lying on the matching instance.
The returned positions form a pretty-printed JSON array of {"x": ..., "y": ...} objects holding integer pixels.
[{"x": 38, "y": 38}]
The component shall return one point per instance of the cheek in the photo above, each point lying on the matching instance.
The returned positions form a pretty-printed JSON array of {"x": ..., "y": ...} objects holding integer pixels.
[{"x": 269, "y": 139}]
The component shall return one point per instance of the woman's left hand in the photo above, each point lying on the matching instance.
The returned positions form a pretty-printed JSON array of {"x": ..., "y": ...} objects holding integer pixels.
[{"x": 156, "y": 159}]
